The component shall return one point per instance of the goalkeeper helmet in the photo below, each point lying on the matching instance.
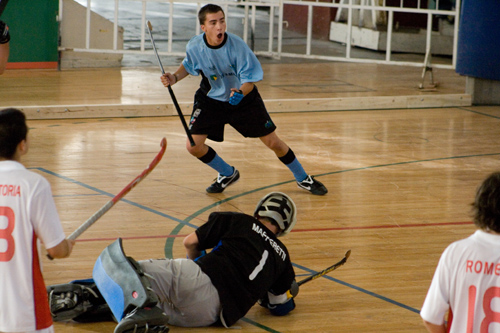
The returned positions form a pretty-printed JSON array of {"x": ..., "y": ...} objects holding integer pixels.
[{"x": 280, "y": 208}]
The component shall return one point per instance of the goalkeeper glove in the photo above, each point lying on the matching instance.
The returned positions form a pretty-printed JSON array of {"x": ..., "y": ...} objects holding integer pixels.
[{"x": 278, "y": 309}]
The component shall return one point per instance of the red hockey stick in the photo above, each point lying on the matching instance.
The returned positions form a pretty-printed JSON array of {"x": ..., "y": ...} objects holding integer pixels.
[{"x": 97, "y": 215}]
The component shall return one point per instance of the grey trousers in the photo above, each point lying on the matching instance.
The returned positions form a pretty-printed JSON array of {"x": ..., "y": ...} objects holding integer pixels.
[{"x": 186, "y": 294}]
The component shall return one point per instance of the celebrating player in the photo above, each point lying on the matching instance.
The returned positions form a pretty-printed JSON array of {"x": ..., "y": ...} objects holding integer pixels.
[
  {"x": 27, "y": 214},
  {"x": 228, "y": 95},
  {"x": 466, "y": 280},
  {"x": 247, "y": 263}
]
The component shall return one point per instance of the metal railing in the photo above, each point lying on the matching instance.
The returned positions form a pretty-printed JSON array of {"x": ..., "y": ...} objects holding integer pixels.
[{"x": 261, "y": 24}]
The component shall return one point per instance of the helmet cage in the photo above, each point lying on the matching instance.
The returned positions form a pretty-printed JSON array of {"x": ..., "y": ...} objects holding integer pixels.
[{"x": 280, "y": 208}]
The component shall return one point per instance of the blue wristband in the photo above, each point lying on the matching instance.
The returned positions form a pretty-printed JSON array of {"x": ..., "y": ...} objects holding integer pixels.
[{"x": 236, "y": 98}]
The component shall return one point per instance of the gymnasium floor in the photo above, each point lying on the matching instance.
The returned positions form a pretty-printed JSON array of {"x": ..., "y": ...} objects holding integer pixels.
[{"x": 400, "y": 179}]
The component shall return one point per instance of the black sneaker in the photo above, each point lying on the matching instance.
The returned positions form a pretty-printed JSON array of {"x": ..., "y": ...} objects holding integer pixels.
[
  {"x": 222, "y": 182},
  {"x": 143, "y": 320},
  {"x": 312, "y": 185}
]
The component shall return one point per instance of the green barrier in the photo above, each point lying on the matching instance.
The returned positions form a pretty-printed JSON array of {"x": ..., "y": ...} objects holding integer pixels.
[{"x": 33, "y": 29}]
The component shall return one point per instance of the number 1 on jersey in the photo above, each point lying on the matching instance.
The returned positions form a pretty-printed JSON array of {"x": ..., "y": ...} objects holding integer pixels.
[{"x": 260, "y": 266}]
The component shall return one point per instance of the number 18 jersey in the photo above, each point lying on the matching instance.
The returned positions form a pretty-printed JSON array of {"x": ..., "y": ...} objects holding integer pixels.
[{"x": 467, "y": 282}]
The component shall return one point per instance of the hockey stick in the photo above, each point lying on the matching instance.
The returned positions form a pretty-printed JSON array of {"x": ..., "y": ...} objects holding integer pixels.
[
  {"x": 97, "y": 215},
  {"x": 3, "y": 3},
  {"x": 179, "y": 112},
  {"x": 327, "y": 270}
]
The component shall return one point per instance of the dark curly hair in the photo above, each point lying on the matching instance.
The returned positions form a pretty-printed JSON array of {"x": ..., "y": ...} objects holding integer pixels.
[
  {"x": 13, "y": 130},
  {"x": 486, "y": 206}
]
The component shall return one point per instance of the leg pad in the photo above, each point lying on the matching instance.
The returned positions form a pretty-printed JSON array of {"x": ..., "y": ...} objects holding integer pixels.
[{"x": 121, "y": 281}]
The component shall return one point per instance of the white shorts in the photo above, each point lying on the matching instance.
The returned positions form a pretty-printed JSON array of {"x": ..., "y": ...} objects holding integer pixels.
[{"x": 185, "y": 293}]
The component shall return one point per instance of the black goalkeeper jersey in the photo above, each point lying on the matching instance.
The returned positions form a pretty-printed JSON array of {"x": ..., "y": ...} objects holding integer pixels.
[{"x": 247, "y": 260}]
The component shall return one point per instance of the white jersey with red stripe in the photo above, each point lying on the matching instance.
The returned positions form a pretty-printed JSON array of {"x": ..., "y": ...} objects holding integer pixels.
[
  {"x": 27, "y": 213},
  {"x": 467, "y": 282}
]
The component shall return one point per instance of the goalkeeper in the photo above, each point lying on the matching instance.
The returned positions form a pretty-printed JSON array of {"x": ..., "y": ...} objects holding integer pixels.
[{"x": 247, "y": 263}]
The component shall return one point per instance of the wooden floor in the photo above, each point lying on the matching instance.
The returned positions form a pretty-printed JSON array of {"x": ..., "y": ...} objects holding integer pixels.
[
  {"x": 400, "y": 185},
  {"x": 296, "y": 87}
]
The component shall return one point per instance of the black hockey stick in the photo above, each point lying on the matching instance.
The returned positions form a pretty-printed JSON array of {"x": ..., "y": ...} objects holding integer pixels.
[
  {"x": 327, "y": 270},
  {"x": 3, "y": 3},
  {"x": 179, "y": 112},
  {"x": 97, "y": 215}
]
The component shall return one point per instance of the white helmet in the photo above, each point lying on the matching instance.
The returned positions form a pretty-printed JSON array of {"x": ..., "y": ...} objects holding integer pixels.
[{"x": 280, "y": 208}]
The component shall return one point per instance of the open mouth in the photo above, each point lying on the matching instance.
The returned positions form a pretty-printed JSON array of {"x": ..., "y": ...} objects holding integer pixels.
[{"x": 219, "y": 36}]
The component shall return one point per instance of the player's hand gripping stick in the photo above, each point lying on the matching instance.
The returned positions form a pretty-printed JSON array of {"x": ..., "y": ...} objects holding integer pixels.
[{"x": 177, "y": 107}]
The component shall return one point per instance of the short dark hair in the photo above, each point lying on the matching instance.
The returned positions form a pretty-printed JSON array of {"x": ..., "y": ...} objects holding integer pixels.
[
  {"x": 13, "y": 130},
  {"x": 208, "y": 9},
  {"x": 486, "y": 206}
]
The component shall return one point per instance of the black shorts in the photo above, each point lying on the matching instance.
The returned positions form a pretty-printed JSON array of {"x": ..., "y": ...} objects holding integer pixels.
[{"x": 250, "y": 117}]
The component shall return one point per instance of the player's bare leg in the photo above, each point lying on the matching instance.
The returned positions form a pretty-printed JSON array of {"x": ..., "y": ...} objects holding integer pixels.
[
  {"x": 287, "y": 157},
  {"x": 227, "y": 174}
]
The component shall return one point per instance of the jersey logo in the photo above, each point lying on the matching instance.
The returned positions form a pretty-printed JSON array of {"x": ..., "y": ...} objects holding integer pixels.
[
  {"x": 213, "y": 77},
  {"x": 195, "y": 115}
]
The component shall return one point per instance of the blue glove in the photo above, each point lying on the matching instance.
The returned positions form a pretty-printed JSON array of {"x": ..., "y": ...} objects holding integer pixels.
[
  {"x": 236, "y": 98},
  {"x": 282, "y": 309},
  {"x": 278, "y": 309}
]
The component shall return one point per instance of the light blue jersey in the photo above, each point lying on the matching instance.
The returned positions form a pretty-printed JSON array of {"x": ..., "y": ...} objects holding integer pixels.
[{"x": 227, "y": 66}]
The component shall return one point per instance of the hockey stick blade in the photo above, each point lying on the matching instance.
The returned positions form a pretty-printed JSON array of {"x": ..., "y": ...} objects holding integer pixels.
[
  {"x": 172, "y": 95},
  {"x": 97, "y": 215},
  {"x": 327, "y": 270}
]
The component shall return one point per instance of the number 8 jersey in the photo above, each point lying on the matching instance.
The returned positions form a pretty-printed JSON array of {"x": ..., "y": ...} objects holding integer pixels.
[{"x": 27, "y": 213}]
